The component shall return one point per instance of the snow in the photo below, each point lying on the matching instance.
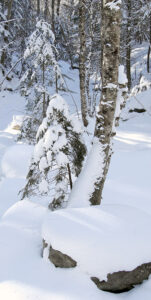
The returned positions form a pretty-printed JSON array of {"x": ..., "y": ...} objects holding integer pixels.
[
  {"x": 101, "y": 239},
  {"x": 111, "y": 86},
  {"x": 114, "y": 4},
  {"x": 11, "y": 162},
  {"x": 57, "y": 102},
  {"x": 90, "y": 172},
  {"x": 122, "y": 79}
]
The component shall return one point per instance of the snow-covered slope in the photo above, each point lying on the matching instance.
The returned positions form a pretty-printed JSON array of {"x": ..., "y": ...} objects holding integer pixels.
[
  {"x": 119, "y": 230},
  {"x": 14, "y": 159},
  {"x": 129, "y": 178},
  {"x": 102, "y": 239}
]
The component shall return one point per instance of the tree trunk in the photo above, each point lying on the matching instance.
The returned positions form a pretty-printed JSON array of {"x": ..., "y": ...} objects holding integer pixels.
[
  {"x": 149, "y": 48},
  {"x": 38, "y": 7},
  {"x": 44, "y": 94},
  {"x": 128, "y": 44},
  {"x": 9, "y": 11},
  {"x": 82, "y": 59},
  {"x": 102, "y": 14},
  {"x": 53, "y": 15},
  {"x": 70, "y": 177},
  {"x": 106, "y": 114},
  {"x": 46, "y": 10},
  {"x": 58, "y": 7}
]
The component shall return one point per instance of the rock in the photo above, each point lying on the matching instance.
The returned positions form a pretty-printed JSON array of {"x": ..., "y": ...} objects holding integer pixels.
[
  {"x": 123, "y": 281},
  {"x": 138, "y": 110},
  {"x": 59, "y": 259},
  {"x": 16, "y": 127}
]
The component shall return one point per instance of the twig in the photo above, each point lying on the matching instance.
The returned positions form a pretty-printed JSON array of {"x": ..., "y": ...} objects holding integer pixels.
[{"x": 10, "y": 71}]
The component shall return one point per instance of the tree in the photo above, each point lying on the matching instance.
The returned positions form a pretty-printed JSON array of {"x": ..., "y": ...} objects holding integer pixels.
[
  {"x": 38, "y": 8},
  {"x": 35, "y": 83},
  {"x": 97, "y": 164},
  {"x": 58, "y": 155},
  {"x": 128, "y": 43},
  {"x": 82, "y": 61},
  {"x": 106, "y": 114},
  {"x": 17, "y": 22},
  {"x": 4, "y": 38}
]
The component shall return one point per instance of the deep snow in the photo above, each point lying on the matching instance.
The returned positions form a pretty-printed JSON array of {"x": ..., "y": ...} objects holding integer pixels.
[{"x": 118, "y": 231}]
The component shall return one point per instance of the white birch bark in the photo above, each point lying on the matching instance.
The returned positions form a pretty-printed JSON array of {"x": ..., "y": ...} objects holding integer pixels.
[
  {"x": 107, "y": 108},
  {"x": 82, "y": 59},
  {"x": 91, "y": 181}
]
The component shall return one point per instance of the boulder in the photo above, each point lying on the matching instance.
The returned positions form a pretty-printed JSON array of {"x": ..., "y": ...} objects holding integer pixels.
[
  {"x": 59, "y": 259},
  {"x": 123, "y": 281}
]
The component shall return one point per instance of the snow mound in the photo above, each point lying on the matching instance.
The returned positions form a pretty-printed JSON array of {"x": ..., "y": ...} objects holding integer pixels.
[
  {"x": 101, "y": 239},
  {"x": 15, "y": 161},
  {"x": 24, "y": 214}
]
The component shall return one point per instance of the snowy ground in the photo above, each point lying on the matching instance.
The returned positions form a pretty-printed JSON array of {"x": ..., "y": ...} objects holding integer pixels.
[
  {"x": 130, "y": 169},
  {"x": 124, "y": 240}
]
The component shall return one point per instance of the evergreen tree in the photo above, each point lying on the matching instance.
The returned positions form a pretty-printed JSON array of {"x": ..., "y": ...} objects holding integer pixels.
[
  {"x": 58, "y": 155},
  {"x": 37, "y": 81}
]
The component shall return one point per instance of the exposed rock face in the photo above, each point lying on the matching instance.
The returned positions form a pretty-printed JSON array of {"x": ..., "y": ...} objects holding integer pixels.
[
  {"x": 59, "y": 259},
  {"x": 123, "y": 281}
]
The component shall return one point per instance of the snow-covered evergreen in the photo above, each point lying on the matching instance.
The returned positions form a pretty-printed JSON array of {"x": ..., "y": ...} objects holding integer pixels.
[
  {"x": 37, "y": 81},
  {"x": 58, "y": 155}
]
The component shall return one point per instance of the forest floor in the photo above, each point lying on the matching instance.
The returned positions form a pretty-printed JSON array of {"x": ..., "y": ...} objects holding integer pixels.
[{"x": 24, "y": 274}]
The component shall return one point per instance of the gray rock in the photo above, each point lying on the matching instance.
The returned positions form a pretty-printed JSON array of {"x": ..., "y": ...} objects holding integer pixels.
[
  {"x": 123, "y": 281},
  {"x": 60, "y": 259}
]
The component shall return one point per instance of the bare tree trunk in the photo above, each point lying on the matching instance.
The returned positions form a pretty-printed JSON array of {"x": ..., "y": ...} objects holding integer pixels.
[
  {"x": 58, "y": 7},
  {"x": 9, "y": 11},
  {"x": 128, "y": 44},
  {"x": 46, "y": 10},
  {"x": 38, "y": 7},
  {"x": 70, "y": 177},
  {"x": 149, "y": 48},
  {"x": 82, "y": 59},
  {"x": 53, "y": 15},
  {"x": 101, "y": 33},
  {"x": 44, "y": 94},
  {"x": 106, "y": 114}
]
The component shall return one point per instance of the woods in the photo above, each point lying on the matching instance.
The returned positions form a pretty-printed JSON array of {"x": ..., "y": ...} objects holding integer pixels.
[
  {"x": 95, "y": 39},
  {"x": 75, "y": 82}
]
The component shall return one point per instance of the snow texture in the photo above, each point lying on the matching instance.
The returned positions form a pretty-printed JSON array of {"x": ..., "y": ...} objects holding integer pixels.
[
  {"x": 120, "y": 227},
  {"x": 101, "y": 239},
  {"x": 115, "y": 4}
]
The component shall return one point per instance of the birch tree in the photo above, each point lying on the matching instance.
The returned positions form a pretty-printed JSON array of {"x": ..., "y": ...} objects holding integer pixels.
[
  {"x": 82, "y": 59},
  {"x": 106, "y": 114},
  {"x": 92, "y": 179},
  {"x": 128, "y": 43}
]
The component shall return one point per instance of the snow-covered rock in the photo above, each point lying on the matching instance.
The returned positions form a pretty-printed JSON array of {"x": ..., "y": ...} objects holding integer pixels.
[{"x": 102, "y": 239}]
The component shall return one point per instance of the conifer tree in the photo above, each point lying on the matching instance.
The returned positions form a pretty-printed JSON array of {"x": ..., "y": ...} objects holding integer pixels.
[
  {"x": 37, "y": 81},
  {"x": 58, "y": 155}
]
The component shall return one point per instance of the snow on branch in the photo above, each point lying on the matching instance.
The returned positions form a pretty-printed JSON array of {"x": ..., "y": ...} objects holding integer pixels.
[{"x": 114, "y": 4}]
